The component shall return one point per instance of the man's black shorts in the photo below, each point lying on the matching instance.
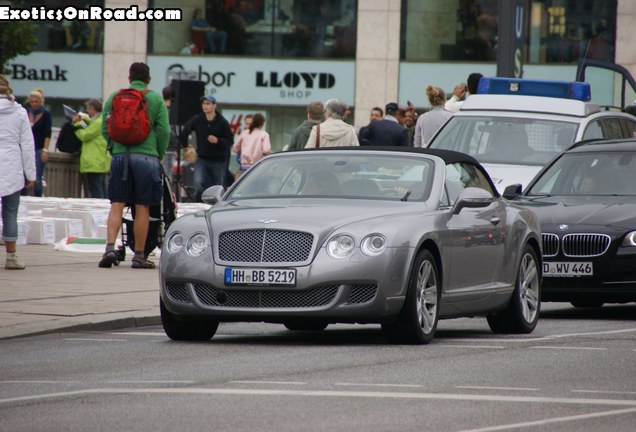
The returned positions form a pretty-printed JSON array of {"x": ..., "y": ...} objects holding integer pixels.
[{"x": 143, "y": 182}]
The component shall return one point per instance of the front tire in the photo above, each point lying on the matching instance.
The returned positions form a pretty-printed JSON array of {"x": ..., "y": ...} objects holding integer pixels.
[
  {"x": 417, "y": 322},
  {"x": 184, "y": 329},
  {"x": 522, "y": 313}
]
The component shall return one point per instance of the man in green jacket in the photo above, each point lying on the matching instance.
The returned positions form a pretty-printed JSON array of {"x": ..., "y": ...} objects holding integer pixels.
[{"x": 135, "y": 173}]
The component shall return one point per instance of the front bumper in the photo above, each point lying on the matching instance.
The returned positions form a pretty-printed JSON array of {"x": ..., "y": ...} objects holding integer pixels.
[
  {"x": 614, "y": 280},
  {"x": 357, "y": 289}
]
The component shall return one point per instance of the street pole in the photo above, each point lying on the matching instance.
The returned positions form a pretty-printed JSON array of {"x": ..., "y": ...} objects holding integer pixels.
[{"x": 512, "y": 37}]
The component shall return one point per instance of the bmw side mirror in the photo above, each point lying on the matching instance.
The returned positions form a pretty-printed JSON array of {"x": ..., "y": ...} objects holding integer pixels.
[
  {"x": 472, "y": 197},
  {"x": 512, "y": 191},
  {"x": 213, "y": 194}
]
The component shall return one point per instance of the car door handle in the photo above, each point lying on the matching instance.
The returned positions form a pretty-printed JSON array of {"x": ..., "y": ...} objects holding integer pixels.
[{"x": 495, "y": 220}]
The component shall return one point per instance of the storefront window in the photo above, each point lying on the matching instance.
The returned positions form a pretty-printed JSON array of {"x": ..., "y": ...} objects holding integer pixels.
[
  {"x": 65, "y": 35},
  {"x": 269, "y": 28},
  {"x": 559, "y": 31}
]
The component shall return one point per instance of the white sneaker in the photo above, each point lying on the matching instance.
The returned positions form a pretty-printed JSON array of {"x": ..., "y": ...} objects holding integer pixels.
[{"x": 12, "y": 262}]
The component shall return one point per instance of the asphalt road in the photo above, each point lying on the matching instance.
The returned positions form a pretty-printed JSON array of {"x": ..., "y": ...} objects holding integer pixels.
[{"x": 576, "y": 372}]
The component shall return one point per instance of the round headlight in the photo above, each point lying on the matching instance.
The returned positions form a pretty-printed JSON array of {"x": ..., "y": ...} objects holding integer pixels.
[
  {"x": 175, "y": 242},
  {"x": 373, "y": 244},
  {"x": 630, "y": 239},
  {"x": 197, "y": 243},
  {"x": 341, "y": 246}
]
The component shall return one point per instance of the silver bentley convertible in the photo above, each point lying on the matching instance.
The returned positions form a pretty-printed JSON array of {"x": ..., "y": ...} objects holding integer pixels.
[{"x": 353, "y": 235}]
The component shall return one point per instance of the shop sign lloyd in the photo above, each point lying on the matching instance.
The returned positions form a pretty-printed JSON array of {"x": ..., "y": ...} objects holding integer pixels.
[{"x": 283, "y": 82}]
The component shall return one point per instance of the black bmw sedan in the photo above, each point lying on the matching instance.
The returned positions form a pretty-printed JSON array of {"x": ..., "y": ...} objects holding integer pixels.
[{"x": 586, "y": 202}]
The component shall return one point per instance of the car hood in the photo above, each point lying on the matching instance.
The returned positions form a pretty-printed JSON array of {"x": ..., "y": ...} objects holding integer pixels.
[
  {"x": 324, "y": 215},
  {"x": 505, "y": 175},
  {"x": 617, "y": 212}
]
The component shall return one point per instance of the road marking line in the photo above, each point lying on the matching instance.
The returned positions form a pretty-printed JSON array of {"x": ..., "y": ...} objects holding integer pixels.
[
  {"x": 270, "y": 382},
  {"x": 511, "y": 339},
  {"x": 162, "y": 334},
  {"x": 553, "y": 420},
  {"x": 329, "y": 393},
  {"x": 94, "y": 340},
  {"x": 38, "y": 382},
  {"x": 151, "y": 382},
  {"x": 473, "y": 346},
  {"x": 569, "y": 348},
  {"x": 498, "y": 388},
  {"x": 604, "y": 392},
  {"x": 379, "y": 385}
]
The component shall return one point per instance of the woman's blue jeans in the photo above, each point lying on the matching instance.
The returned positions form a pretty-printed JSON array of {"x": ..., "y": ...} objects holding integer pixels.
[{"x": 10, "y": 205}]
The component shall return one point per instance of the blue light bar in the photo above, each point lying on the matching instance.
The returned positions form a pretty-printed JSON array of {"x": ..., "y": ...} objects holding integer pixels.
[{"x": 556, "y": 89}]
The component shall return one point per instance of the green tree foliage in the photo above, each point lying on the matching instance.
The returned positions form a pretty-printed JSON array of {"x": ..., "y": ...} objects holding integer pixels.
[{"x": 16, "y": 38}]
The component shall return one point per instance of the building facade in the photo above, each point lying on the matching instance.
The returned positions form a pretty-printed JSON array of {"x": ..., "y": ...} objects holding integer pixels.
[{"x": 276, "y": 56}]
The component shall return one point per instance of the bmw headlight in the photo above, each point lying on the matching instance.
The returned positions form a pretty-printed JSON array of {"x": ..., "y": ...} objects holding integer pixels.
[
  {"x": 197, "y": 244},
  {"x": 341, "y": 246},
  {"x": 373, "y": 244},
  {"x": 629, "y": 240},
  {"x": 175, "y": 242}
]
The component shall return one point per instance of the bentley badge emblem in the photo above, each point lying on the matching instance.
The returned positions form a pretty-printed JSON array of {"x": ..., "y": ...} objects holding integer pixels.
[{"x": 267, "y": 221}]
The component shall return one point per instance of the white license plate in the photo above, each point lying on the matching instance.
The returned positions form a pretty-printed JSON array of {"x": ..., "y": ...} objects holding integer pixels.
[
  {"x": 256, "y": 276},
  {"x": 567, "y": 269}
]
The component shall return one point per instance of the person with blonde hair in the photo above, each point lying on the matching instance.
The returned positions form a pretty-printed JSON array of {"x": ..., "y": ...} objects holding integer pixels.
[
  {"x": 40, "y": 120},
  {"x": 428, "y": 123},
  {"x": 17, "y": 164}
]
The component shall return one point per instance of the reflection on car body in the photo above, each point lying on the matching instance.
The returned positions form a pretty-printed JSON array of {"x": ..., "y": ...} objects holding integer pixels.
[
  {"x": 586, "y": 201},
  {"x": 353, "y": 235}
]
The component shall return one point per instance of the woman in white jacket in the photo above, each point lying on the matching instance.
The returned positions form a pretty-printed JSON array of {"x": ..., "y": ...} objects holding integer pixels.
[{"x": 17, "y": 165}]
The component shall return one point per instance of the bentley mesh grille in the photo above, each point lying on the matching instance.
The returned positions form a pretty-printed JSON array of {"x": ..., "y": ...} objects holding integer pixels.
[
  {"x": 265, "y": 298},
  {"x": 585, "y": 245},
  {"x": 177, "y": 292},
  {"x": 362, "y": 294},
  {"x": 265, "y": 245},
  {"x": 550, "y": 245}
]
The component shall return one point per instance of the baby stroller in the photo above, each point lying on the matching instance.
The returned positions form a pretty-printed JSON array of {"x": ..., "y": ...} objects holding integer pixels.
[{"x": 161, "y": 216}]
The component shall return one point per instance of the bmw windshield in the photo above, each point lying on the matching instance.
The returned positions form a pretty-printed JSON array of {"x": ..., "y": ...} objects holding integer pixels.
[{"x": 604, "y": 174}]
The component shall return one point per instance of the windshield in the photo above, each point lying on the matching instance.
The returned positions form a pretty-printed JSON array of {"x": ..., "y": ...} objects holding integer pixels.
[
  {"x": 347, "y": 176},
  {"x": 504, "y": 140},
  {"x": 611, "y": 173}
]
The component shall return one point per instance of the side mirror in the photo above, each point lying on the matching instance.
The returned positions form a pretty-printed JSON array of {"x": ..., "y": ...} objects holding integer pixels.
[
  {"x": 472, "y": 197},
  {"x": 213, "y": 194},
  {"x": 512, "y": 191}
]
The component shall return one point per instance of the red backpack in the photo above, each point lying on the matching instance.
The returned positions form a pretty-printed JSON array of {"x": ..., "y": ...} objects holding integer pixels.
[{"x": 128, "y": 122}]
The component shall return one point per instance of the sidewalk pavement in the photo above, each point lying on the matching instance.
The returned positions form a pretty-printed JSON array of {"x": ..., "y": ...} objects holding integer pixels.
[{"x": 62, "y": 290}]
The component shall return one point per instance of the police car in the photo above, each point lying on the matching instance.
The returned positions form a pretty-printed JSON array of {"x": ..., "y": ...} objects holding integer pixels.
[{"x": 514, "y": 127}]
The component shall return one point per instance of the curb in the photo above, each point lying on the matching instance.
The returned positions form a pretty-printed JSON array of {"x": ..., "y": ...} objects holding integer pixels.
[{"x": 106, "y": 325}]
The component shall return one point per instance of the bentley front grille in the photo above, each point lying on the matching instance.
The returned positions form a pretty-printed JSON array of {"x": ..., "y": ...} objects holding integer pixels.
[
  {"x": 585, "y": 245},
  {"x": 362, "y": 294},
  {"x": 265, "y": 298},
  {"x": 550, "y": 245},
  {"x": 265, "y": 245},
  {"x": 177, "y": 292}
]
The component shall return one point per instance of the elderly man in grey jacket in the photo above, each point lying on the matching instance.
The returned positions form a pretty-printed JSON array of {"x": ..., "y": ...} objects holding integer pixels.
[{"x": 333, "y": 132}]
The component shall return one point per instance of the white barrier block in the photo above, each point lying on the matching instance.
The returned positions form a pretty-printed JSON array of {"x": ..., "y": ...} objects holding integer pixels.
[
  {"x": 41, "y": 231},
  {"x": 65, "y": 227}
]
